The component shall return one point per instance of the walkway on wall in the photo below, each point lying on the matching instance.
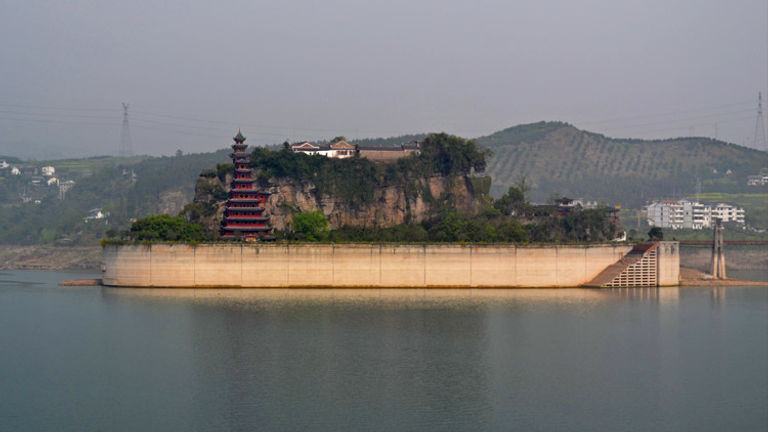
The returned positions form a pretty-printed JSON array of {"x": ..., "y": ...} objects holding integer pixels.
[{"x": 638, "y": 268}]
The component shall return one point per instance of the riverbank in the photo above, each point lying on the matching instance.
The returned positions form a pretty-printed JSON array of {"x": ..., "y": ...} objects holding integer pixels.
[
  {"x": 693, "y": 277},
  {"x": 13, "y": 257}
]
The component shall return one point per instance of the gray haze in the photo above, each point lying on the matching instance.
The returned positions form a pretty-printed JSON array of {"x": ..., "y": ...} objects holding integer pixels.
[{"x": 195, "y": 71}]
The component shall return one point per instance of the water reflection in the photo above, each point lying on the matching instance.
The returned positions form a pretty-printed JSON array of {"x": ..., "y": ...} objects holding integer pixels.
[
  {"x": 657, "y": 295},
  {"x": 529, "y": 359},
  {"x": 718, "y": 295},
  {"x": 337, "y": 358},
  {"x": 383, "y": 297}
]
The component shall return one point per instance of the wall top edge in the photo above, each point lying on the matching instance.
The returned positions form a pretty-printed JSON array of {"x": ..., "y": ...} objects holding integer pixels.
[{"x": 373, "y": 245}]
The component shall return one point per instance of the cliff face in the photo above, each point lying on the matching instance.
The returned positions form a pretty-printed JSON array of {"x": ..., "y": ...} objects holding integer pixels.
[{"x": 389, "y": 206}]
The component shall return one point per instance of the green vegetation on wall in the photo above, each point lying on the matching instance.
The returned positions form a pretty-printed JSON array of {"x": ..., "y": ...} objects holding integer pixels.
[{"x": 164, "y": 228}]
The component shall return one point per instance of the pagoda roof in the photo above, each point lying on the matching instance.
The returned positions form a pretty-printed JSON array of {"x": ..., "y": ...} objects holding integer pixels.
[
  {"x": 243, "y": 200},
  {"x": 239, "y": 138},
  {"x": 250, "y": 191},
  {"x": 246, "y": 228},
  {"x": 254, "y": 209},
  {"x": 247, "y": 218}
]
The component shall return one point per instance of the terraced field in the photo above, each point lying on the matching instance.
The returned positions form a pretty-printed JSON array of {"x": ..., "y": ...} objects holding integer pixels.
[{"x": 560, "y": 159}]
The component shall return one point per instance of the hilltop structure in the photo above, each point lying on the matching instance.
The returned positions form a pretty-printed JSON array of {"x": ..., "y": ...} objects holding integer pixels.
[
  {"x": 342, "y": 149},
  {"x": 245, "y": 214}
]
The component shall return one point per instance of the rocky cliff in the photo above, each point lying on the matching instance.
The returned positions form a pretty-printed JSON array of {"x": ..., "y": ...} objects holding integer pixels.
[{"x": 388, "y": 206}]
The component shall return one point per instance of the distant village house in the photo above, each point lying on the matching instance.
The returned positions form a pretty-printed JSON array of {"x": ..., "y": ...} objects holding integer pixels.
[{"x": 95, "y": 214}]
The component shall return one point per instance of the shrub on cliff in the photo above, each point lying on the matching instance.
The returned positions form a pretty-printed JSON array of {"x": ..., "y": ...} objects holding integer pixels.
[{"x": 311, "y": 226}]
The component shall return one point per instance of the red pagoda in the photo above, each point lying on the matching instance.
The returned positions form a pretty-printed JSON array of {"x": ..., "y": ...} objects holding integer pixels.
[{"x": 245, "y": 215}]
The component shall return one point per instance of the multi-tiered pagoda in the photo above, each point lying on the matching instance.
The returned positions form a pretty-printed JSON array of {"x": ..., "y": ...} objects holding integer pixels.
[{"x": 245, "y": 216}]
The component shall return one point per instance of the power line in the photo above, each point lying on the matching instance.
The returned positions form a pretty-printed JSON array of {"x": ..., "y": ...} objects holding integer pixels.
[
  {"x": 667, "y": 113},
  {"x": 58, "y": 108}
]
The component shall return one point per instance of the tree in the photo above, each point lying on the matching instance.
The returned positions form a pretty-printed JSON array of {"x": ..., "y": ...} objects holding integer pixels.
[
  {"x": 655, "y": 234},
  {"x": 166, "y": 228},
  {"x": 522, "y": 185},
  {"x": 511, "y": 203},
  {"x": 312, "y": 226}
]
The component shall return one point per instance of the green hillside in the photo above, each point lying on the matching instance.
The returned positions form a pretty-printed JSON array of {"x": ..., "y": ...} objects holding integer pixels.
[
  {"x": 557, "y": 158},
  {"x": 126, "y": 188}
]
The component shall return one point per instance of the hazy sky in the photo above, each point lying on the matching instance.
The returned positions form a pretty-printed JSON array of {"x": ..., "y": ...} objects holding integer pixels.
[{"x": 195, "y": 71}]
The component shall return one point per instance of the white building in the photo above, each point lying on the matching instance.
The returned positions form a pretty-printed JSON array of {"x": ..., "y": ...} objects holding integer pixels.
[
  {"x": 95, "y": 214},
  {"x": 757, "y": 180},
  {"x": 48, "y": 171},
  {"x": 691, "y": 214},
  {"x": 52, "y": 181},
  {"x": 695, "y": 215},
  {"x": 728, "y": 213},
  {"x": 343, "y": 149},
  {"x": 4, "y": 165},
  {"x": 15, "y": 171},
  {"x": 340, "y": 149},
  {"x": 665, "y": 214},
  {"x": 64, "y": 187}
]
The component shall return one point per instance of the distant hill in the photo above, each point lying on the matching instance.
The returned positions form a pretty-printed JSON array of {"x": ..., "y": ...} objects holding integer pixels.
[
  {"x": 558, "y": 158},
  {"x": 124, "y": 187},
  {"x": 555, "y": 157}
]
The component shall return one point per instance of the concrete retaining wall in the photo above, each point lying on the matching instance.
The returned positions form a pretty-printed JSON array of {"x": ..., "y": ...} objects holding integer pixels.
[{"x": 280, "y": 265}]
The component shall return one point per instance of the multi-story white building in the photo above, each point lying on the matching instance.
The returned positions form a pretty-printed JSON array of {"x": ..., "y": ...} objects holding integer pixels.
[
  {"x": 665, "y": 214},
  {"x": 728, "y": 213},
  {"x": 48, "y": 171},
  {"x": 691, "y": 214}
]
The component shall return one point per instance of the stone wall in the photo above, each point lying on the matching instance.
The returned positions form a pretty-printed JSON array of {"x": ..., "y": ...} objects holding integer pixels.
[{"x": 350, "y": 265}]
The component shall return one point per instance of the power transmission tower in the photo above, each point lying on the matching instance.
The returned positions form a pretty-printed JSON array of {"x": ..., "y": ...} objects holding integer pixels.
[
  {"x": 698, "y": 189},
  {"x": 718, "y": 254},
  {"x": 126, "y": 146},
  {"x": 760, "y": 142}
]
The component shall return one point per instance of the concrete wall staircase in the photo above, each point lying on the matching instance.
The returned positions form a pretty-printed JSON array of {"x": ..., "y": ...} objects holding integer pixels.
[{"x": 638, "y": 268}]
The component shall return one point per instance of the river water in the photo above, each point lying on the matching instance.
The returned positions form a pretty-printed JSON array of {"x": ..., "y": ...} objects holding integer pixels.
[{"x": 97, "y": 359}]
